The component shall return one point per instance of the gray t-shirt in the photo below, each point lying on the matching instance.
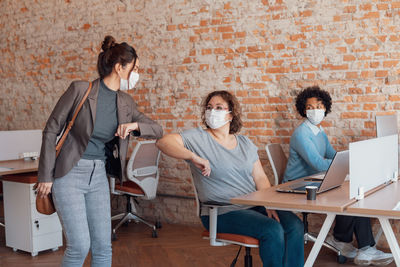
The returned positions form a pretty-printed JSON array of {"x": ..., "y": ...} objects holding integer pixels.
[
  {"x": 231, "y": 170},
  {"x": 105, "y": 125}
]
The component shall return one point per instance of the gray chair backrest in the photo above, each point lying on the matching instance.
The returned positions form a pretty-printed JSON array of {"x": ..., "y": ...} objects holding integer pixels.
[
  {"x": 142, "y": 167},
  {"x": 198, "y": 205},
  {"x": 278, "y": 161}
]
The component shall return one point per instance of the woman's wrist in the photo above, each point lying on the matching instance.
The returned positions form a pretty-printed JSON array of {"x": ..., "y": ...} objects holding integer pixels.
[{"x": 192, "y": 156}]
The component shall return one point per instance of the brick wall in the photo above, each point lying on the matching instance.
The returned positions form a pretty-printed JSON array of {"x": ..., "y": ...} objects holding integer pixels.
[{"x": 263, "y": 51}]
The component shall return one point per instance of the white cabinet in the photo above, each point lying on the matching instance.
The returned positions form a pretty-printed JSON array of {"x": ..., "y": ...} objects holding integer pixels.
[{"x": 25, "y": 228}]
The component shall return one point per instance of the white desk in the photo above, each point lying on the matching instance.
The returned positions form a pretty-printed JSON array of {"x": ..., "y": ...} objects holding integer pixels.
[
  {"x": 380, "y": 205},
  {"x": 18, "y": 166},
  {"x": 377, "y": 204},
  {"x": 331, "y": 203}
]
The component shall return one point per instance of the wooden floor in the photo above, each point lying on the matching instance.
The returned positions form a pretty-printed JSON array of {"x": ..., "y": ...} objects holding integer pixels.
[{"x": 176, "y": 245}]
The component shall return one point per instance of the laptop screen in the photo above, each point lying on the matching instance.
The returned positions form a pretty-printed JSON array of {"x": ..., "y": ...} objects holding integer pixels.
[{"x": 337, "y": 171}]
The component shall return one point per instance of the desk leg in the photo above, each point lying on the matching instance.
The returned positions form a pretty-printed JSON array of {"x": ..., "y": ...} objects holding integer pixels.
[
  {"x": 391, "y": 238},
  {"x": 330, "y": 217}
]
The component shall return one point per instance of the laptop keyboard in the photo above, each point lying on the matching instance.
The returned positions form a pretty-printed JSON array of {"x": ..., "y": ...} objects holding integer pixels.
[{"x": 303, "y": 188}]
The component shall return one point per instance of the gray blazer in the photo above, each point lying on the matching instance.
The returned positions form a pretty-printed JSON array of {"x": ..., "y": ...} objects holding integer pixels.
[{"x": 50, "y": 166}]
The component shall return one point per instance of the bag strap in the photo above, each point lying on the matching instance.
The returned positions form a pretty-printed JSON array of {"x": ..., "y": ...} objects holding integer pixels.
[{"x": 71, "y": 123}]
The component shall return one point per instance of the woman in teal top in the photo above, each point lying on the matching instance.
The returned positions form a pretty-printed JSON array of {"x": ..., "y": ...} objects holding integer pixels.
[{"x": 310, "y": 152}]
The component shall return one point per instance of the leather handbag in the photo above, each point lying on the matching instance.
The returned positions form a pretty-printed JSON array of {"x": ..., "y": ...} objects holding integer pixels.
[{"x": 45, "y": 204}]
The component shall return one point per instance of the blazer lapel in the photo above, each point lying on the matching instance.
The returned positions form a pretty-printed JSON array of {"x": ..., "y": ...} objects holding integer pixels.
[
  {"x": 92, "y": 97},
  {"x": 123, "y": 109}
]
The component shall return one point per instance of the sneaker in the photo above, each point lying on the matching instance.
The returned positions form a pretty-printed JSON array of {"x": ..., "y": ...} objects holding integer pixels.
[
  {"x": 373, "y": 256},
  {"x": 346, "y": 249}
]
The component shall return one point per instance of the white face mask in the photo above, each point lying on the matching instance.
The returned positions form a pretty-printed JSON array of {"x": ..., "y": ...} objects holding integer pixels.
[
  {"x": 315, "y": 116},
  {"x": 216, "y": 118},
  {"x": 133, "y": 79}
]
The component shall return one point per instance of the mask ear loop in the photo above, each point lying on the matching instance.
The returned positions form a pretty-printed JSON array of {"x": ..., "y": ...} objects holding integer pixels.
[
  {"x": 134, "y": 65},
  {"x": 129, "y": 77},
  {"x": 228, "y": 113}
]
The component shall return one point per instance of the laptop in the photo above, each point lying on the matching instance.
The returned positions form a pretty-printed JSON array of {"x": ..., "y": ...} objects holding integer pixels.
[{"x": 334, "y": 177}]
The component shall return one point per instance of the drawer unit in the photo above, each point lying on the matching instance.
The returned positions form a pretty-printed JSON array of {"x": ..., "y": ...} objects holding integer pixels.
[{"x": 26, "y": 229}]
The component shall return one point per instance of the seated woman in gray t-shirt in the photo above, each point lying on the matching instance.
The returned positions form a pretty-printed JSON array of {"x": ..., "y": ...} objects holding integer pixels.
[{"x": 226, "y": 165}]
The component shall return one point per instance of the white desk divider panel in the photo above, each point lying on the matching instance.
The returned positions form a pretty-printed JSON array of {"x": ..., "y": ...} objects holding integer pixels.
[
  {"x": 14, "y": 143},
  {"x": 372, "y": 162},
  {"x": 386, "y": 125}
]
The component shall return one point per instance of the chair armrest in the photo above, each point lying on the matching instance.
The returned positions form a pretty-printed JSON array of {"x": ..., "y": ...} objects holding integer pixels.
[
  {"x": 145, "y": 171},
  {"x": 215, "y": 204},
  {"x": 112, "y": 186},
  {"x": 213, "y": 218}
]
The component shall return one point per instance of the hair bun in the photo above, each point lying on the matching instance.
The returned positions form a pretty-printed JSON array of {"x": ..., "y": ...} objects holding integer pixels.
[{"x": 108, "y": 42}]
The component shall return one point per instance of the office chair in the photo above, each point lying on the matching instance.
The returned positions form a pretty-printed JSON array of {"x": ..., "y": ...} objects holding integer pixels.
[
  {"x": 142, "y": 172},
  {"x": 278, "y": 161},
  {"x": 224, "y": 239}
]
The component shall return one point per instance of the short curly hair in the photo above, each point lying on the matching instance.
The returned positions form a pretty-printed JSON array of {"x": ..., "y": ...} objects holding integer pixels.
[
  {"x": 309, "y": 92},
  {"x": 233, "y": 106}
]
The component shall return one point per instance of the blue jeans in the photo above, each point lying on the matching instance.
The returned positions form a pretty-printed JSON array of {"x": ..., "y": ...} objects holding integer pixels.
[
  {"x": 276, "y": 239},
  {"x": 82, "y": 201}
]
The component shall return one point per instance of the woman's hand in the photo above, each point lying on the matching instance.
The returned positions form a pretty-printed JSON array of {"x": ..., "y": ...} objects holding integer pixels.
[
  {"x": 123, "y": 130},
  {"x": 272, "y": 214},
  {"x": 202, "y": 164},
  {"x": 43, "y": 189}
]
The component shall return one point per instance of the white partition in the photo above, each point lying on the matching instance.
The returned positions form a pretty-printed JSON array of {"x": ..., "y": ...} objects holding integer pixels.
[
  {"x": 386, "y": 125},
  {"x": 372, "y": 163},
  {"x": 13, "y": 143}
]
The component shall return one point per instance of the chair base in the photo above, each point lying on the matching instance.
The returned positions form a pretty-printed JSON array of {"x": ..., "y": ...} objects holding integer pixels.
[
  {"x": 312, "y": 238},
  {"x": 248, "y": 259},
  {"x": 340, "y": 258},
  {"x": 128, "y": 216}
]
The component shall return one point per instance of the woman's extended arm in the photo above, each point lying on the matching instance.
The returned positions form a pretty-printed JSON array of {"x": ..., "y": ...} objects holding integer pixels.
[
  {"x": 262, "y": 182},
  {"x": 259, "y": 176},
  {"x": 172, "y": 145}
]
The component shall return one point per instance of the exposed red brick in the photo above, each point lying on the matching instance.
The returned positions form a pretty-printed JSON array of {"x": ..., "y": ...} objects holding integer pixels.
[
  {"x": 381, "y": 73},
  {"x": 225, "y": 29},
  {"x": 349, "y": 58},
  {"x": 171, "y": 27},
  {"x": 371, "y": 98},
  {"x": 354, "y": 115}
]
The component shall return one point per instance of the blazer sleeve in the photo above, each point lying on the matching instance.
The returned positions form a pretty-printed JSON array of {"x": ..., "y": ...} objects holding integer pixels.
[
  {"x": 54, "y": 126},
  {"x": 148, "y": 128}
]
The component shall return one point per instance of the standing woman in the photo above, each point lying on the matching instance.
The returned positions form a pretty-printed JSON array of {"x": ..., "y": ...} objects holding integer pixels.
[{"x": 77, "y": 177}]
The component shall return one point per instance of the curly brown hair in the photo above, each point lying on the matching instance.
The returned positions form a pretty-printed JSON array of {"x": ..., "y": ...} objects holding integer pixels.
[
  {"x": 233, "y": 105},
  {"x": 310, "y": 92}
]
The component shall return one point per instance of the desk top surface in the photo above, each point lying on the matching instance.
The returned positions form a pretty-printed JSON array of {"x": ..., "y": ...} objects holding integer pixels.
[
  {"x": 335, "y": 200},
  {"x": 18, "y": 166},
  {"x": 382, "y": 202}
]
